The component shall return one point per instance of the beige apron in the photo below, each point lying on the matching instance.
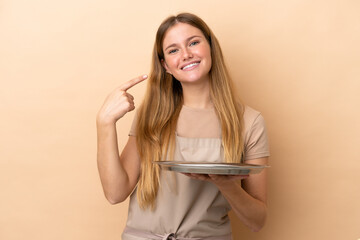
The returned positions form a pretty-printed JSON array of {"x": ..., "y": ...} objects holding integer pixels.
[{"x": 186, "y": 209}]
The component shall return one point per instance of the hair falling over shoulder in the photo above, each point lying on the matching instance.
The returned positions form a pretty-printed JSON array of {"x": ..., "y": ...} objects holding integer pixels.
[{"x": 160, "y": 109}]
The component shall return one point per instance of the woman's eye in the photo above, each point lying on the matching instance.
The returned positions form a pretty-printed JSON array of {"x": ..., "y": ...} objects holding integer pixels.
[
  {"x": 194, "y": 43},
  {"x": 172, "y": 51}
]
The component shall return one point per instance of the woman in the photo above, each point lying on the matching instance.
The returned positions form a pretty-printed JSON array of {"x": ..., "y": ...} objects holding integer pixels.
[{"x": 189, "y": 113}]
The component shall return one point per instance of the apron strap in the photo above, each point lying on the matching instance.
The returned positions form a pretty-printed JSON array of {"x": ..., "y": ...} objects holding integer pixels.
[{"x": 169, "y": 236}]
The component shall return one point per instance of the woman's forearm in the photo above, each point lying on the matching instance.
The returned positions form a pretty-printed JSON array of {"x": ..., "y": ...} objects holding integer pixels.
[
  {"x": 251, "y": 211},
  {"x": 112, "y": 174}
]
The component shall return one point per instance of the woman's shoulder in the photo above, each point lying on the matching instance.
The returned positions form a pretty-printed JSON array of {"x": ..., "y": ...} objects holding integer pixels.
[
  {"x": 252, "y": 118},
  {"x": 250, "y": 114},
  {"x": 255, "y": 141}
]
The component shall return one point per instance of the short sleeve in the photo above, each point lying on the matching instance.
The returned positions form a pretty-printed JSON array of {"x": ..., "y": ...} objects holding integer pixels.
[
  {"x": 256, "y": 140},
  {"x": 133, "y": 126}
]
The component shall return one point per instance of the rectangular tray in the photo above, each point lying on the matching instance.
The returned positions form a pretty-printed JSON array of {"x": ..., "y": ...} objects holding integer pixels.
[{"x": 211, "y": 168}]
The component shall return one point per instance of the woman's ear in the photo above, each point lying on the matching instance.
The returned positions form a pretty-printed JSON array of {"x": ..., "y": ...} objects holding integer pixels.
[{"x": 163, "y": 63}]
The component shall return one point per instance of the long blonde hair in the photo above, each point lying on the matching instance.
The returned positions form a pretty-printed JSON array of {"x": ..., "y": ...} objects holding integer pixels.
[{"x": 159, "y": 112}]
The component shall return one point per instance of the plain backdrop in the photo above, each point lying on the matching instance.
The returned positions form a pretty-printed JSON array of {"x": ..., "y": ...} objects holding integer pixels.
[{"x": 297, "y": 62}]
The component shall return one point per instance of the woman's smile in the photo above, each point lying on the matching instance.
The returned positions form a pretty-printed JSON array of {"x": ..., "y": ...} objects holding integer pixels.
[{"x": 191, "y": 66}]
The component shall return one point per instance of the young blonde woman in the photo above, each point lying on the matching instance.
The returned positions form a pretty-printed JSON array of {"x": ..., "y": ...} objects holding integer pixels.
[{"x": 190, "y": 113}]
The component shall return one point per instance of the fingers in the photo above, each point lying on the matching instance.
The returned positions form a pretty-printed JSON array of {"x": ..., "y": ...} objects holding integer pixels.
[
  {"x": 130, "y": 101},
  {"x": 128, "y": 95},
  {"x": 203, "y": 177},
  {"x": 215, "y": 177},
  {"x": 129, "y": 84}
]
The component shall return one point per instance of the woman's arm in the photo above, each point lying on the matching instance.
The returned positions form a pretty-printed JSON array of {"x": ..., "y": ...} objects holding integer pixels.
[
  {"x": 248, "y": 200},
  {"x": 118, "y": 174}
]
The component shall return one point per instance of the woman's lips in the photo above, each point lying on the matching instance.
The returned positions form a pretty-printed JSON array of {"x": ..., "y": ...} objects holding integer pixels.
[{"x": 190, "y": 66}]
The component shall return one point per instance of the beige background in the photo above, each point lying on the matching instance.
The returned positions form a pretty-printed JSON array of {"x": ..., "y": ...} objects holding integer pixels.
[{"x": 298, "y": 62}]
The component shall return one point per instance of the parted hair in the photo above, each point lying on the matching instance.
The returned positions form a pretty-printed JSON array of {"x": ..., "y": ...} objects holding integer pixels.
[{"x": 160, "y": 109}]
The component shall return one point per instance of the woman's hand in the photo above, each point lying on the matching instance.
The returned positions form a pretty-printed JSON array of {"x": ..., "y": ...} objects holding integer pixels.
[
  {"x": 218, "y": 180},
  {"x": 119, "y": 102}
]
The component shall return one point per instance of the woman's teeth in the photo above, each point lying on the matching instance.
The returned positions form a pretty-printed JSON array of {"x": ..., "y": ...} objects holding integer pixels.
[{"x": 190, "y": 65}]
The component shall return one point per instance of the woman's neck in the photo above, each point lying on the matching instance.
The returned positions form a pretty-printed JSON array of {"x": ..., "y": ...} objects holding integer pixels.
[{"x": 197, "y": 95}]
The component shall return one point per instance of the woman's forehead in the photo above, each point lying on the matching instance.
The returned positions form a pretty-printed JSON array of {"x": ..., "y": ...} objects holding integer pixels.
[{"x": 179, "y": 33}]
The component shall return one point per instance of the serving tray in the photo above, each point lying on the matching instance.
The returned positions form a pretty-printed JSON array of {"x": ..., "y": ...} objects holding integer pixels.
[{"x": 211, "y": 168}]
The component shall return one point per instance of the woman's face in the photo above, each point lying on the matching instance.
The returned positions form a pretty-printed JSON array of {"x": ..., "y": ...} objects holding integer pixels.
[{"x": 187, "y": 53}]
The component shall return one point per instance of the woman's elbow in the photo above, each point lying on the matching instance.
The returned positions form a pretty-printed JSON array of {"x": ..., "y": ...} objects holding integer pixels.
[
  {"x": 115, "y": 198},
  {"x": 256, "y": 227},
  {"x": 113, "y": 201}
]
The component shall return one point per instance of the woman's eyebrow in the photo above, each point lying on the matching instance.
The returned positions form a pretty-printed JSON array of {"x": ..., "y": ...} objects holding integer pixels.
[{"x": 188, "y": 39}]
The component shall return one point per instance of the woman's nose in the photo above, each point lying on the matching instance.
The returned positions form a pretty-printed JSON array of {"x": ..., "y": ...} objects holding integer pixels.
[{"x": 187, "y": 54}]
